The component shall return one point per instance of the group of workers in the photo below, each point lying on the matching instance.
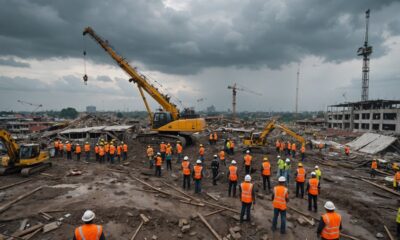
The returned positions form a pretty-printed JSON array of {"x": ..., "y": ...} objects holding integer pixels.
[
  {"x": 289, "y": 149},
  {"x": 104, "y": 151}
]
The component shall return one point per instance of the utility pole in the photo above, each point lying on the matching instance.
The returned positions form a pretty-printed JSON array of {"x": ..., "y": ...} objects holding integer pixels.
[
  {"x": 365, "y": 51},
  {"x": 297, "y": 90}
]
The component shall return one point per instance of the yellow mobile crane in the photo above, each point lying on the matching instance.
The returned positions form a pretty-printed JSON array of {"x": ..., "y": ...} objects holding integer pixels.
[
  {"x": 169, "y": 124},
  {"x": 24, "y": 158},
  {"x": 259, "y": 139}
]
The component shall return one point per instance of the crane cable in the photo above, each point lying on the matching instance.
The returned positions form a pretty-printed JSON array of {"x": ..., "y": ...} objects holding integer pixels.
[{"x": 85, "y": 77}]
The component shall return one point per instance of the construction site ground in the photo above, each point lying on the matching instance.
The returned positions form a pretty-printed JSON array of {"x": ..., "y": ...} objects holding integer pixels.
[{"x": 118, "y": 199}]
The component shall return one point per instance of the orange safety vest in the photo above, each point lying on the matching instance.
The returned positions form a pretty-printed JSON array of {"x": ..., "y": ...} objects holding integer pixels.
[
  {"x": 88, "y": 232},
  {"x": 119, "y": 150},
  {"x": 201, "y": 151},
  {"x": 282, "y": 146},
  {"x": 168, "y": 151},
  {"x": 107, "y": 148},
  {"x": 277, "y": 144},
  {"x": 186, "y": 168},
  {"x": 280, "y": 195},
  {"x": 68, "y": 147},
  {"x": 233, "y": 173},
  {"x": 215, "y": 136},
  {"x": 87, "y": 148},
  {"x": 247, "y": 189},
  {"x": 211, "y": 136},
  {"x": 163, "y": 147},
  {"x": 313, "y": 190},
  {"x": 158, "y": 161},
  {"x": 222, "y": 155},
  {"x": 374, "y": 165},
  {"x": 56, "y": 144},
  {"x": 302, "y": 149},
  {"x": 294, "y": 147},
  {"x": 179, "y": 148},
  {"x": 125, "y": 147},
  {"x": 247, "y": 159},
  {"x": 332, "y": 222},
  {"x": 266, "y": 168},
  {"x": 232, "y": 145},
  {"x": 96, "y": 149},
  {"x": 112, "y": 149},
  {"x": 101, "y": 152},
  {"x": 347, "y": 150},
  {"x": 397, "y": 176},
  {"x": 301, "y": 175},
  {"x": 150, "y": 152},
  {"x": 78, "y": 149},
  {"x": 60, "y": 146},
  {"x": 197, "y": 172}
]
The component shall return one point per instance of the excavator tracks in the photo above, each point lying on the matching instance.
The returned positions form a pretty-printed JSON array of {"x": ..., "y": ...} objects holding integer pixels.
[{"x": 27, "y": 171}]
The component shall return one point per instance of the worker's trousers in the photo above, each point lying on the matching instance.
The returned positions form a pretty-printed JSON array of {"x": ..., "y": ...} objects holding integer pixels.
[
  {"x": 300, "y": 189},
  {"x": 78, "y": 156},
  {"x": 247, "y": 169},
  {"x": 303, "y": 156},
  {"x": 232, "y": 188},
  {"x": 158, "y": 171},
  {"x": 246, "y": 208},
  {"x": 223, "y": 162},
  {"x": 186, "y": 181},
  {"x": 293, "y": 154},
  {"x": 275, "y": 219},
  {"x": 179, "y": 158},
  {"x": 112, "y": 158},
  {"x": 87, "y": 155},
  {"x": 169, "y": 164},
  {"x": 97, "y": 157},
  {"x": 69, "y": 155},
  {"x": 151, "y": 162},
  {"x": 265, "y": 181},
  {"x": 197, "y": 186},
  {"x": 124, "y": 156},
  {"x": 163, "y": 156},
  {"x": 215, "y": 174},
  {"x": 312, "y": 200}
]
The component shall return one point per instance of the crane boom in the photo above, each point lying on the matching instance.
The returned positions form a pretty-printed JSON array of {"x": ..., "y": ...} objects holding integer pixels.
[{"x": 136, "y": 77}]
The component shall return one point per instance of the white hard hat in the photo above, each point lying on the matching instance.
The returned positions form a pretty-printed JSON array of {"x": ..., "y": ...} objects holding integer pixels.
[
  {"x": 281, "y": 179},
  {"x": 198, "y": 161},
  {"x": 88, "y": 216},
  {"x": 215, "y": 156},
  {"x": 186, "y": 158},
  {"x": 313, "y": 174},
  {"x": 233, "y": 162},
  {"x": 316, "y": 166},
  {"x": 279, "y": 156},
  {"x": 287, "y": 160},
  {"x": 158, "y": 153},
  {"x": 248, "y": 151},
  {"x": 329, "y": 205},
  {"x": 247, "y": 178}
]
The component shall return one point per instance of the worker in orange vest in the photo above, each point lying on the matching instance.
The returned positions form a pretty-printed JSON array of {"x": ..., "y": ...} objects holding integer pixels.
[
  {"x": 233, "y": 178},
  {"x": 330, "y": 224},
  {"x": 294, "y": 149},
  {"x": 179, "y": 150},
  {"x": 247, "y": 162},
  {"x": 163, "y": 148},
  {"x": 61, "y": 149},
  {"x": 215, "y": 138},
  {"x": 396, "y": 181},
  {"x": 68, "y": 149},
  {"x": 168, "y": 156},
  {"x": 201, "y": 153},
  {"x": 107, "y": 151},
  {"x": 266, "y": 173},
  {"x": 300, "y": 180},
  {"x": 303, "y": 152},
  {"x": 321, "y": 146},
  {"x": 119, "y": 152},
  {"x": 186, "y": 171},
  {"x": 150, "y": 156},
  {"x": 102, "y": 153},
  {"x": 277, "y": 145},
  {"x": 282, "y": 147},
  {"x": 96, "y": 151},
  {"x": 124, "y": 151},
  {"x": 313, "y": 189},
  {"x": 89, "y": 231},
  {"x": 158, "y": 163},
  {"x": 288, "y": 148},
  {"x": 247, "y": 197},
  {"x": 197, "y": 176},
  {"x": 56, "y": 147},
  {"x": 221, "y": 156},
  {"x": 347, "y": 150},
  {"x": 374, "y": 167},
  {"x": 211, "y": 139},
  {"x": 87, "y": 150},
  {"x": 280, "y": 198},
  {"x": 112, "y": 152},
  {"x": 78, "y": 151}
]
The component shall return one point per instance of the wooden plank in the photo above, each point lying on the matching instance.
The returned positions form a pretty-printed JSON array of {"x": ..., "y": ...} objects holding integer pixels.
[
  {"x": 28, "y": 230},
  {"x": 31, "y": 235},
  {"x": 384, "y": 173},
  {"x": 137, "y": 231},
  {"x": 214, "y": 212},
  {"x": 14, "y": 184},
  {"x": 388, "y": 233},
  {"x": 209, "y": 227},
  {"x": 192, "y": 203},
  {"x": 221, "y": 207},
  {"x": 381, "y": 187},
  {"x": 211, "y": 196},
  {"x": 9, "y": 204},
  {"x": 180, "y": 191}
]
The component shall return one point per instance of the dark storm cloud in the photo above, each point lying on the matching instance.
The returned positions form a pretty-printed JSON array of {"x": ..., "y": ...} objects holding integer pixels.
[
  {"x": 13, "y": 63},
  {"x": 221, "y": 33}
]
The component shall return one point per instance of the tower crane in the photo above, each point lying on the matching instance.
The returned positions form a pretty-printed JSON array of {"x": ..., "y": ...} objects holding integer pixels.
[
  {"x": 365, "y": 51},
  {"x": 235, "y": 88},
  {"x": 31, "y": 104}
]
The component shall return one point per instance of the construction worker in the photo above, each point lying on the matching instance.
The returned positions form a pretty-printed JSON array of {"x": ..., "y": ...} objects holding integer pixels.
[
  {"x": 124, "y": 151},
  {"x": 211, "y": 139},
  {"x": 163, "y": 148},
  {"x": 158, "y": 162},
  {"x": 395, "y": 167},
  {"x": 347, "y": 150},
  {"x": 119, "y": 152},
  {"x": 232, "y": 150},
  {"x": 89, "y": 230},
  {"x": 186, "y": 170},
  {"x": 112, "y": 152},
  {"x": 78, "y": 151},
  {"x": 107, "y": 150},
  {"x": 215, "y": 169},
  {"x": 321, "y": 146},
  {"x": 280, "y": 197},
  {"x": 281, "y": 166},
  {"x": 96, "y": 151},
  {"x": 68, "y": 149},
  {"x": 228, "y": 146},
  {"x": 303, "y": 152},
  {"x": 221, "y": 155},
  {"x": 215, "y": 138},
  {"x": 233, "y": 178},
  {"x": 318, "y": 173},
  {"x": 150, "y": 156},
  {"x": 56, "y": 147},
  {"x": 201, "y": 152},
  {"x": 277, "y": 145},
  {"x": 313, "y": 189},
  {"x": 168, "y": 156},
  {"x": 396, "y": 181},
  {"x": 102, "y": 153},
  {"x": 374, "y": 167},
  {"x": 287, "y": 170},
  {"x": 61, "y": 149},
  {"x": 247, "y": 162},
  {"x": 282, "y": 147},
  {"x": 398, "y": 219},
  {"x": 330, "y": 224},
  {"x": 301, "y": 176},
  {"x": 87, "y": 150},
  {"x": 197, "y": 176},
  {"x": 179, "y": 150},
  {"x": 266, "y": 173},
  {"x": 247, "y": 196},
  {"x": 294, "y": 149}
]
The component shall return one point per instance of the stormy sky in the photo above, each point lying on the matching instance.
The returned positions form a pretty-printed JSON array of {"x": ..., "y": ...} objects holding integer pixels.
[{"x": 194, "y": 49}]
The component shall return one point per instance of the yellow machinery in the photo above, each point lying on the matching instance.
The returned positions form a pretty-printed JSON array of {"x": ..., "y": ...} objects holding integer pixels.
[
  {"x": 169, "y": 122},
  {"x": 259, "y": 139},
  {"x": 24, "y": 158}
]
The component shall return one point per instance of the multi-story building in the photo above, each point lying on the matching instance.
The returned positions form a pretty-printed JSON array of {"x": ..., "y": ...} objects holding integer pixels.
[{"x": 366, "y": 116}]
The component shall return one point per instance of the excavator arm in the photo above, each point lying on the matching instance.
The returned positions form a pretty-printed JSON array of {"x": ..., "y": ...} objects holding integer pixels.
[
  {"x": 10, "y": 145},
  {"x": 291, "y": 133},
  {"x": 136, "y": 77}
]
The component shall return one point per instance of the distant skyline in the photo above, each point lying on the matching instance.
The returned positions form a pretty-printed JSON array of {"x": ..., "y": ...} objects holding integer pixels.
[{"x": 195, "y": 50}]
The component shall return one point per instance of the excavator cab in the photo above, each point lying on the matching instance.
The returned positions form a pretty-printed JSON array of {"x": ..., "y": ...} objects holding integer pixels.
[
  {"x": 161, "y": 118},
  {"x": 29, "y": 151}
]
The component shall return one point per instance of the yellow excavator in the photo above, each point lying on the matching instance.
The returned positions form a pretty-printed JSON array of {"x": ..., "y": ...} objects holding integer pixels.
[
  {"x": 260, "y": 139},
  {"x": 25, "y": 158},
  {"x": 167, "y": 124}
]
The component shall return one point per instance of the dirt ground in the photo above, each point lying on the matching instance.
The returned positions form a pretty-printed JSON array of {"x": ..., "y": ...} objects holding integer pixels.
[{"x": 118, "y": 200}]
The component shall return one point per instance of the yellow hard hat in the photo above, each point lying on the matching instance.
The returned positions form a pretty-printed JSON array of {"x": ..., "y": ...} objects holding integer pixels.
[
  {"x": 265, "y": 159},
  {"x": 201, "y": 145},
  {"x": 300, "y": 164}
]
